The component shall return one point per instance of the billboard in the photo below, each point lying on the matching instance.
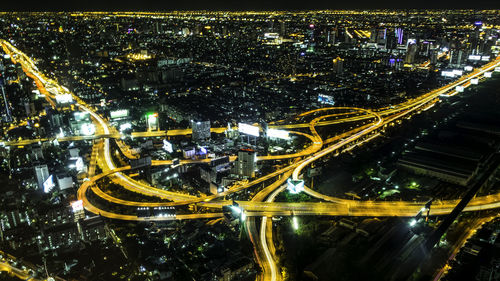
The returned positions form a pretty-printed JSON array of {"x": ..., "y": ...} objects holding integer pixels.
[
  {"x": 326, "y": 99},
  {"x": 474, "y": 57},
  {"x": 474, "y": 81},
  {"x": 248, "y": 129},
  {"x": 487, "y": 74},
  {"x": 279, "y": 134},
  {"x": 459, "y": 89},
  {"x": 445, "y": 73},
  {"x": 125, "y": 126},
  {"x": 485, "y": 58},
  {"x": 118, "y": 113},
  {"x": 497, "y": 69},
  {"x": 271, "y": 35},
  {"x": 167, "y": 146},
  {"x": 64, "y": 98},
  {"x": 468, "y": 68}
]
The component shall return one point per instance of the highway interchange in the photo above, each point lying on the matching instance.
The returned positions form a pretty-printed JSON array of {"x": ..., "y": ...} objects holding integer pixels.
[{"x": 261, "y": 205}]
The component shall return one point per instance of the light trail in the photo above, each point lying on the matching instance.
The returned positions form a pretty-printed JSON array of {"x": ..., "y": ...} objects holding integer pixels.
[{"x": 339, "y": 207}]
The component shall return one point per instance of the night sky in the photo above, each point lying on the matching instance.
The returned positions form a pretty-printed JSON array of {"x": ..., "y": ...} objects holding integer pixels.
[{"x": 159, "y": 5}]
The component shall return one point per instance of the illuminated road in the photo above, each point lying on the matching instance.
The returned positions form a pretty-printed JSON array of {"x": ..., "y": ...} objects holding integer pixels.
[
  {"x": 376, "y": 119},
  {"x": 21, "y": 274}
]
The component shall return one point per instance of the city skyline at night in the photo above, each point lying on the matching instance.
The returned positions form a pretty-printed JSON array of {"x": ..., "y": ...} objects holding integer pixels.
[{"x": 245, "y": 142}]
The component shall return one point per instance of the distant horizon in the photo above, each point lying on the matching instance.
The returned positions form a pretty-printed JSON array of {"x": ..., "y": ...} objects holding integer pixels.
[
  {"x": 254, "y": 10},
  {"x": 241, "y": 6}
]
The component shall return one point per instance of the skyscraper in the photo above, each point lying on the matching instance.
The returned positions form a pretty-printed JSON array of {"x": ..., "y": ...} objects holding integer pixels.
[{"x": 246, "y": 164}]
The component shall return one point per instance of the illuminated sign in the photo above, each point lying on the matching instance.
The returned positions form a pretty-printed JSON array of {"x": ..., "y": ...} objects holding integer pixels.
[
  {"x": 497, "y": 69},
  {"x": 487, "y": 74},
  {"x": 474, "y": 57},
  {"x": 87, "y": 129},
  {"x": 452, "y": 73},
  {"x": 474, "y": 81},
  {"x": 485, "y": 58},
  {"x": 48, "y": 184},
  {"x": 119, "y": 113},
  {"x": 167, "y": 146},
  {"x": 447, "y": 73},
  {"x": 248, "y": 129},
  {"x": 279, "y": 134},
  {"x": 295, "y": 186},
  {"x": 459, "y": 89},
  {"x": 468, "y": 68},
  {"x": 64, "y": 98},
  {"x": 152, "y": 120},
  {"x": 125, "y": 126},
  {"x": 77, "y": 206},
  {"x": 326, "y": 99},
  {"x": 271, "y": 35}
]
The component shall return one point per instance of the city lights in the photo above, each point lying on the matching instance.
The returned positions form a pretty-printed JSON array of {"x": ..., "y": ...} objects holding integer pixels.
[{"x": 123, "y": 122}]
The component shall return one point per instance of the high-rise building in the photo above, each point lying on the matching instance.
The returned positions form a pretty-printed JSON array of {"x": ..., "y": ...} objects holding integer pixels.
[
  {"x": 246, "y": 164},
  {"x": 398, "y": 33},
  {"x": 457, "y": 57},
  {"x": 338, "y": 65},
  {"x": 410, "y": 53},
  {"x": 434, "y": 55},
  {"x": 282, "y": 29},
  {"x": 42, "y": 174},
  {"x": 381, "y": 38},
  {"x": 201, "y": 130},
  {"x": 158, "y": 28},
  {"x": 6, "y": 115}
]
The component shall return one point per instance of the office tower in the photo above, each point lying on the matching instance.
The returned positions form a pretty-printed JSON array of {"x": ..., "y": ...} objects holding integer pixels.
[{"x": 246, "y": 164}]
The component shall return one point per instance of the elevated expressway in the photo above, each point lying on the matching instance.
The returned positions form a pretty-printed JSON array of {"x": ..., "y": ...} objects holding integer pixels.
[{"x": 262, "y": 204}]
